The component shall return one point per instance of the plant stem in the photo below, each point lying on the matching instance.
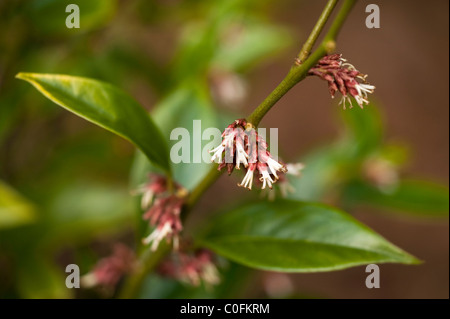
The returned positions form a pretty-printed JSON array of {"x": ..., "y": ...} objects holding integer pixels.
[
  {"x": 339, "y": 20},
  {"x": 298, "y": 72},
  {"x": 148, "y": 261},
  {"x": 198, "y": 191},
  {"x": 306, "y": 49}
]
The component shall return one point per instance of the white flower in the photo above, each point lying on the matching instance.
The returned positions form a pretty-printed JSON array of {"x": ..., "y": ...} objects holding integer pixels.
[
  {"x": 147, "y": 195},
  {"x": 363, "y": 89},
  {"x": 217, "y": 153},
  {"x": 147, "y": 199},
  {"x": 295, "y": 168},
  {"x": 266, "y": 179},
  {"x": 361, "y": 98},
  {"x": 210, "y": 274},
  {"x": 345, "y": 99},
  {"x": 157, "y": 235},
  {"x": 274, "y": 166},
  {"x": 248, "y": 179},
  {"x": 226, "y": 143},
  {"x": 241, "y": 155}
]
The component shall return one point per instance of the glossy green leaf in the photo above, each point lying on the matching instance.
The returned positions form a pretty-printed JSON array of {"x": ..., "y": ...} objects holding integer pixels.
[
  {"x": 107, "y": 106},
  {"x": 414, "y": 196},
  {"x": 15, "y": 210},
  {"x": 292, "y": 236}
]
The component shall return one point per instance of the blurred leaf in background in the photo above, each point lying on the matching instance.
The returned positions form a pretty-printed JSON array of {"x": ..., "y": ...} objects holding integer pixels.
[
  {"x": 362, "y": 168},
  {"x": 48, "y": 21},
  {"x": 14, "y": 208}
]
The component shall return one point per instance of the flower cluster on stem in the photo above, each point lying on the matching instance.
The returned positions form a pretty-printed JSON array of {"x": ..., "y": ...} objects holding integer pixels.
[
  {"x": 343, "y": 77},
  {"x": 163, "y": 210},
  {"x": 242, "y": 145},
  {"x": 109, "y": 270},
  {"x": 192, "y": 268}
]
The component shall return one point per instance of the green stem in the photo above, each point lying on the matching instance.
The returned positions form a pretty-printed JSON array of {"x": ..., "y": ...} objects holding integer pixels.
[
  {"x": 198, "y": 191},
  {"x": 149, "y": 260},
  {"x": 299, "y": 71},
  {"x": 306, "y": 49},
  {"x": 339, "y": 20}
]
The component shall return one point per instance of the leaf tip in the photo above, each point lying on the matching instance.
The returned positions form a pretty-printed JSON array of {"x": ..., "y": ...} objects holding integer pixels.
[
  {"x": 415, "y": 261},
  {"x": 20, "y": 75},
  {"x": 23, "y": 76},
  {"x": 411, "y": 260}
]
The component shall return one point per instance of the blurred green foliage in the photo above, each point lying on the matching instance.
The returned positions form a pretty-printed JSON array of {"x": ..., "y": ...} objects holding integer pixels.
[
  {"x": 71, "y": 175},
  {"x": 15, "y": 210}
]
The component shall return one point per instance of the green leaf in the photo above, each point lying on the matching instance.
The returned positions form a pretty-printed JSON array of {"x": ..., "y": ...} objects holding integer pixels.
[
  {"x": 293, "y": 236},
  {"x": 179, "y": 110},
  {"x": 341, "y": 160},
  {"x": 187, "y": 103},
  {"x": 107, "y": 106},
  {"x": 39, "y": 279},
  {"x": 414, "y": 196},
  {"x": 250, "y": 44},
  {"x": 85, "y": 209},
  {"x": 320, "y": 175},
  {"x": 230, "y": 35},
  {"x": 15, "y": 210}
]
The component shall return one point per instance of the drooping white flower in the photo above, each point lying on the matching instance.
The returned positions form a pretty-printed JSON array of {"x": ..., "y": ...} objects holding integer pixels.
[
  {"x": 265, "y": 177},
  {"x": 275, "y": 167},
  {"x": 283, "y": 184},
  {"x": 248, "y": 178},
  {"x": 164, "y": 215},
  {"x": 294, "y": 168},
  {"x": 241, "y": 155},
  {"x": 156, "y": 185},
  {"x": 363, "y": 89},
  {"x": 157, "y": 235},
  {"x": 217, "y": 153}
]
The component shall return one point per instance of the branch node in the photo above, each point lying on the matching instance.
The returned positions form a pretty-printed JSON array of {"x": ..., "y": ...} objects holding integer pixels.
[{"x": 330, "y": 46}]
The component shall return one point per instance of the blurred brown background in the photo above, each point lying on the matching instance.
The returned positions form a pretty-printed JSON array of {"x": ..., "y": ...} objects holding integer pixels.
[{"x": 407, "y": 60}]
